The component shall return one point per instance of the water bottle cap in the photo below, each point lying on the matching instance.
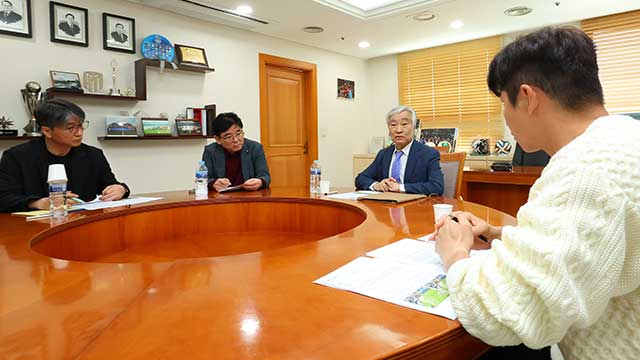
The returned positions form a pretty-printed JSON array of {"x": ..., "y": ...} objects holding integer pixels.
[
  {"x": 56, "y": 173},
  {"x": 201, "y": 162},
  {"x": 316, "y": 161}
]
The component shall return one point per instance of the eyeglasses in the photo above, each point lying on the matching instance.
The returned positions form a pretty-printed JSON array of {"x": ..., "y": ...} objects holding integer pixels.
[
  {"x": 74, "y": 128},
  {"x": 238, "y": 136}
]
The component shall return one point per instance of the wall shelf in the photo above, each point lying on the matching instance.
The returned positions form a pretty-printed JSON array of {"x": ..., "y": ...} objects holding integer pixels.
[
  {"x": 110, "y": 138},
  {"x": 141, "y": 73},
  {"x": 50, "y": 94}
]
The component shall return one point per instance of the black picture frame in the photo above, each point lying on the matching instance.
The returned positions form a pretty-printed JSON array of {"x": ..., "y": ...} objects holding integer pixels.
[
  {"x": 115, "y": 40},
  {"x": 69, "y": 24},
  {"x": 191, "y": 55},
  {"x": 18, "y": 20}
]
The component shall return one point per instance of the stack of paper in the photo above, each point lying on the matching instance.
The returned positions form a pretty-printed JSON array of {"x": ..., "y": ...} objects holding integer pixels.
[{"x": 407, "y": 273}]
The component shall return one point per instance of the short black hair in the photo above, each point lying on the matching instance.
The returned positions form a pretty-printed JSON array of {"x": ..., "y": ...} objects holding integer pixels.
[
  {"x": 73, "y": 16},
  {"x": 120, "y": 25},
  {"x": 561, "y": 61},
  {"x": 56, "y": 112},
  {"x": 224, "y": 121},
  {"x": 7, "y": 1}
]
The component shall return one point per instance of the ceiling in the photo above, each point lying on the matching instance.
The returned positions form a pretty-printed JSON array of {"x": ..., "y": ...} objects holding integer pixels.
[{"x": 389, "y": 29}]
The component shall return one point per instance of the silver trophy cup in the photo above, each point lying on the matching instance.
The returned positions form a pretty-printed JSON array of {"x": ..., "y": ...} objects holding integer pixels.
[{"x": 30, "y": 96}]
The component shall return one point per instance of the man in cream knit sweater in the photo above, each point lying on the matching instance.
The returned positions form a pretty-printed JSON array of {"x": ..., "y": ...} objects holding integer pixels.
[{"x": 569, "y": 273}]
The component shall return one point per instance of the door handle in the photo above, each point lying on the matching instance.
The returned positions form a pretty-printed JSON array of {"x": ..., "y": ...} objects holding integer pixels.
[{"x": 306, "y": 146}]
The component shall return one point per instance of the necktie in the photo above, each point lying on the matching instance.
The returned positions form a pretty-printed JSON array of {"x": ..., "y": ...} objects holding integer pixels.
[{"x": 395, "y": 168}]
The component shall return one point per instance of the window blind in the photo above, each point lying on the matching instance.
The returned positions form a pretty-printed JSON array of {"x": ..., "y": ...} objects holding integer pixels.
[
  {"x": 447, "y": 86},
  {"x": 617, "y": 39}
]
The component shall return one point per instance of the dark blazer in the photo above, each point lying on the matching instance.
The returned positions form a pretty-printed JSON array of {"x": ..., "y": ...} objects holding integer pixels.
[
  {"x": 24, "y": 169},
  {"x": 421, "y": 176},
  {"x": 119, "y": 38},
  {"x": 72, "y": 30},
  {"x": 10, "y": 18},
  {"x": 254, "y": 163}
]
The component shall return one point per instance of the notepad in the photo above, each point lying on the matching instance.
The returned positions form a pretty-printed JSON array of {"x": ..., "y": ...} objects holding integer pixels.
[
  {"x": 31, "y": 213},
  {"x": 392, "y": 197}
]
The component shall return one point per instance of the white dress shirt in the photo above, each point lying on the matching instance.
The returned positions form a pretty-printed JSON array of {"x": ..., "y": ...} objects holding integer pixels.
[{"x": 403, "y": 165}]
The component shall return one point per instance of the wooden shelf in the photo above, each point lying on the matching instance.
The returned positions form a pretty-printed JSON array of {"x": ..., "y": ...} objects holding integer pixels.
[
  {"x": 141, "y": 73},
  {"x": 109, "y": 138},
  {"x": 56, "y": 93}
]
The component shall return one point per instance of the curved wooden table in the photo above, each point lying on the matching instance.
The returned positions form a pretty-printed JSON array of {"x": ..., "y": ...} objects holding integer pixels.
[{"x": 117, "y": 290}]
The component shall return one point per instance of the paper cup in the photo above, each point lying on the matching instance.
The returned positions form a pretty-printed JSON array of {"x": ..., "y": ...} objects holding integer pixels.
[
  {"x": 325, "y": 185},
  {"x": 56, "y": 173},
  {"x": 441, "y": 210}
]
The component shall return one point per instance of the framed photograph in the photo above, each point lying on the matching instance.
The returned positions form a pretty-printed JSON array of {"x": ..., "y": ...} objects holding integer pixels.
[
  {"x": 63, "y": 80},
  {"x": 346, "y": 89},
  {"x": 15, "y": 18},
  {"x": 118, "y": 33},
  {"x": 189, "y": 127},
  {"x": 69, "y": 24},
  {"x": 156, "y": 127},
  {"x": 440, "y": 137},
  {"x": 191, "y": 55},
  {"x": 121, "y": 126}
]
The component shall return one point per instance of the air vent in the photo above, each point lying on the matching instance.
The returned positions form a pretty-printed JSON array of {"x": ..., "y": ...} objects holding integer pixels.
[
  {"x": 518, "y": 11},
  {"x": 225, "y": 11}
]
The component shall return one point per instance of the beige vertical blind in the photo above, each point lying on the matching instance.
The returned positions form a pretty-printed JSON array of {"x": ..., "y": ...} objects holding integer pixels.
[
  {"x": 447, "y": 86},
  {"x": 617, "y": 39}
]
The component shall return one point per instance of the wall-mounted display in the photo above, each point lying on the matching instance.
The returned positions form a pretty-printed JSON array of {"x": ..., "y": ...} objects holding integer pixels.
[
  {"x": 191, "y": 55},
  {"x": 15, "y": 18},
  {"x": 118, "y": 33},
  {"x": 346, "y": 89},
  {"x": 157, "y": 47},
  {"x": 69, "y": 24}
]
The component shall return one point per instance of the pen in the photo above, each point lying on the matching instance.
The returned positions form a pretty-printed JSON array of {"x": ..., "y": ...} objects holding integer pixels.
[
  {"x": 78, "y": 200},
  {"x": 481, "y": 237}
]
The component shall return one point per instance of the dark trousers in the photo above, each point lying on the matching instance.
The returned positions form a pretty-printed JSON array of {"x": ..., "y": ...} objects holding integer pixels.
[{"x": 519, "y": 352}]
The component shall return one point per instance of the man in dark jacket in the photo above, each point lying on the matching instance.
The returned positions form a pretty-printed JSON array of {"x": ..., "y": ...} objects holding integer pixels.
[{"x": 24, "y": 168}]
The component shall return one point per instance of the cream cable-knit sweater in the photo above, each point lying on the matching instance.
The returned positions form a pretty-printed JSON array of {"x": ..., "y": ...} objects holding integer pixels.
[{"x": 569, "y": 273}]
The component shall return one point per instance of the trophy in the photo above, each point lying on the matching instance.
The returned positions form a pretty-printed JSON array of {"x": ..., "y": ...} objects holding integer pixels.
[
  {"x": 30, "y": 95},
  {"x": 92, "y": 81},
  {"x": 114, "y": 90}
]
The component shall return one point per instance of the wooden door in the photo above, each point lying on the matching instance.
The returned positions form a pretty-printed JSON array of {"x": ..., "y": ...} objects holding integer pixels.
[{"x": 288, "y": 123}]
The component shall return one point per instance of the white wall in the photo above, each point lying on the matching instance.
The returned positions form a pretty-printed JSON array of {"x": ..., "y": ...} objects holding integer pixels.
[
  {"x": 383, "y": 79},
  {"x": 169, "y": 165}
]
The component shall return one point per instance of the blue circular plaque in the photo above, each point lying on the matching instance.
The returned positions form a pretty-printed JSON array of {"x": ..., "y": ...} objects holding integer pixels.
[{"x": 157, "y": 47}]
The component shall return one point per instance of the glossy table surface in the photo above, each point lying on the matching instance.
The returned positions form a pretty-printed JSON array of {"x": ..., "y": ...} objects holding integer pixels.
[{"x": 229, "y": 277}]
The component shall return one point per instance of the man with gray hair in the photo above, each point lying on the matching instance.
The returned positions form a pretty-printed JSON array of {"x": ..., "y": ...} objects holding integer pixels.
[{"x": 406, "y": 166}]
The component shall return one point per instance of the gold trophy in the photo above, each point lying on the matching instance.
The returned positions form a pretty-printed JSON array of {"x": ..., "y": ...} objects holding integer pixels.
[{"x": 30, "y": 96}]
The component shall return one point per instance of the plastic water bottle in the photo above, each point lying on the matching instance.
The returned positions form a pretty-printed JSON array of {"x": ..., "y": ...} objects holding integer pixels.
[
  {"x": 57, "y": 199},
  {"x": 314, "y": 179},
  {"x": 202, "y": 179},
  {"x": 57, "y": 180}
]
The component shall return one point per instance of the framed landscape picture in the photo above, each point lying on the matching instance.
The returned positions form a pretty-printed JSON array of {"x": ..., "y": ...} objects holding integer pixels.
[
  {"x": 118, "y": 33},
  {"x": 69, "y": 24},
  {"x": 189, "y": 127},
  {"x": 15, "y": 18},
  {"x": 156, "y": 127},
  {"x": 64, "y": 80}
]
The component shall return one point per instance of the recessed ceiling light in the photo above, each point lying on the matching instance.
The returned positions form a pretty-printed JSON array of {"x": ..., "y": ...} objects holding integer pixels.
[
  {"x": 456, "y": 24},
  {"x": 313, "y": 29},
  {"x": 244, "y": 9},
  {"x": 518, "y": 11},
  {"x": 364, "y": 44},
  {"x": 423, "y": 16}
]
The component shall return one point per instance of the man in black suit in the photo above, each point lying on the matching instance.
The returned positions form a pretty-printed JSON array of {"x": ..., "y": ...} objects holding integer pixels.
[
  {"x": 8, "y": 16},
  {"x": 119, "y": 34},
  {"x": 70, "y": 26}
]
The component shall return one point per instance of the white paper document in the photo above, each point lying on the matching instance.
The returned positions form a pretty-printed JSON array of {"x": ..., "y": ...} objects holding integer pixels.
[
  {"x": 351, "y": 195},
  {"x": 422, "y": 287},
  {"x": 97, "y": 204},
  {"x": 231, "y": 188}
]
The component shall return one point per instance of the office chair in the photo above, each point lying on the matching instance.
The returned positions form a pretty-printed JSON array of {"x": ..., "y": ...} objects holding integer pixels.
[{"x": 452, "y": 166}]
